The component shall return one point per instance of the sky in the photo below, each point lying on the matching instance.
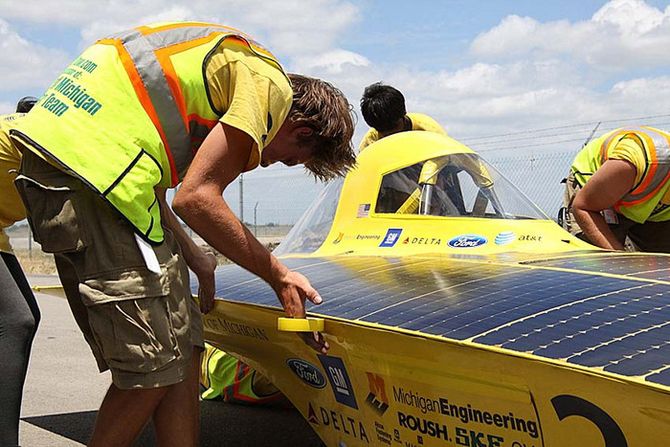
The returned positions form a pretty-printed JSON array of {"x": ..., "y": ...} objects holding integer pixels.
[{"x": 487, "y": 70}]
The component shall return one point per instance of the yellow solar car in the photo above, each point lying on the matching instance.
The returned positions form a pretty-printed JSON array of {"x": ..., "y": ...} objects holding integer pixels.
[{"x": 457, "y": 313}]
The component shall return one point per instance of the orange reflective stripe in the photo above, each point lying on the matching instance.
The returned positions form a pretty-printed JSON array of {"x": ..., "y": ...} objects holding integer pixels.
[
  {"x": 147, "y": 56},
  {"x": 652, "y": 165},
  {"x": 657, "y": 153},
  {"x": 604, "y": 147},
  {"x": 143, "y": 97},
  {"x": 163, "y": 55},
  {"x": 647, "y": 196},
  {"x": 172, "y": 79},
  {"x": 203, "y": 121},
  {"x": 147, "y": 30}
]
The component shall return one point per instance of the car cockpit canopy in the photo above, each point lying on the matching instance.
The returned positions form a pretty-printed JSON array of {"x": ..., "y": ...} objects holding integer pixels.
[{"x": 411, "y": 175}]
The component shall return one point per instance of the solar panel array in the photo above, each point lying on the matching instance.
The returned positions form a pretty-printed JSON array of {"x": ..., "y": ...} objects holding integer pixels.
[{"x": 620, "y": 323}]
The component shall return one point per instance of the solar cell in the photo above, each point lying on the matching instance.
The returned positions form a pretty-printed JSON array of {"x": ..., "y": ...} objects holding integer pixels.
[{"x": 588, "y": 319}]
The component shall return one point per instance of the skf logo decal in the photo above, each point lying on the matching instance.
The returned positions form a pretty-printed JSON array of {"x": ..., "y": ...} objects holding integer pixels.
[
  {"x": 392, "y": 236},
  {"x": 377, "y": 397},
  {"x": 311, "y": 415},
  {"x": 467, "y": 241},
  {"x": 339, "y": 238},
  {"x": 505, "y": 237},
  {"x": 307, "y": 372},
  {"x": 339, "y": 380}
]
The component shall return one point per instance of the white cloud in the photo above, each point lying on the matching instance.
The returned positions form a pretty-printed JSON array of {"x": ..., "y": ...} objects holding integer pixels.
[
  {"x": 623, "y": 34},
  {"x": 290, "y": 26},
  {"x": 524, "y": 73},
  {"x": 331, "y": 62},
  {"x": 26, "y": 65}
]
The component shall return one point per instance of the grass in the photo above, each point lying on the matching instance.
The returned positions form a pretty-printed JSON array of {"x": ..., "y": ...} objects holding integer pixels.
[
  {"x": 39, "y": 263},
  {"x": 36, "y": 263}
]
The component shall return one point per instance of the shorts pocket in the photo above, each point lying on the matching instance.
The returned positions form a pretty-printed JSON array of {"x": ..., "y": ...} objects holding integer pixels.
[
  {"x": 135, "y": 336},
  {"x": 52, "y": 215},
  {"x": 132, "y": 320}
]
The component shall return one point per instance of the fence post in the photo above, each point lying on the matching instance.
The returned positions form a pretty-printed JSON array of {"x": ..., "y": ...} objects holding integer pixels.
[
  {"x": 255, "y": 226},
  {"x": 242, "y": 198}
]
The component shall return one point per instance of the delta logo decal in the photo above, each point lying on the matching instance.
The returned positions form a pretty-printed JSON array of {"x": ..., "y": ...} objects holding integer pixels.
[{"x": 311, "y": 415}]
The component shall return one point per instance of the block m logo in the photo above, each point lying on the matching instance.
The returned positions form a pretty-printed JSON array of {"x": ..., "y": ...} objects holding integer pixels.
[{"x": 377, "y": 397}]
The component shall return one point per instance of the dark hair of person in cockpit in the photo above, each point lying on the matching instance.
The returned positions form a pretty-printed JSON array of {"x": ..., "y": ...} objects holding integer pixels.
[{"x": 383, "y": 108}]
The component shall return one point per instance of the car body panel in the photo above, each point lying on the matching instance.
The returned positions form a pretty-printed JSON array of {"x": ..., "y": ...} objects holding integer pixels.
[{"x": 459, "y": 331}]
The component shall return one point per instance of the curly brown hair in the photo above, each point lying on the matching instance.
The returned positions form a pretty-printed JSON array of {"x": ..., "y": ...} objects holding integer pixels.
[{"x": 324, "y": 108}]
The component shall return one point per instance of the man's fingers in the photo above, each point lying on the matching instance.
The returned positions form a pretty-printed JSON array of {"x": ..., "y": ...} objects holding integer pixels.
[
  {"x": 206, "y": 297},
  {"x": 313, "y": 295},
  {"x": 316, "y": 341}
]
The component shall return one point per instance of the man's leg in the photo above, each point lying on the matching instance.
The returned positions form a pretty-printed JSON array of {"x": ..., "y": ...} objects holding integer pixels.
[
  {"x": 177, "y": 417},
  {"x": 19, "y": 317},
  {"x": 123, "y": 414}
]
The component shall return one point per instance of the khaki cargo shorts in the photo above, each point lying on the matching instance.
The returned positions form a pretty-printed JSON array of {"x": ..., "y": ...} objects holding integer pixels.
[{"x": 141, "y": 325}]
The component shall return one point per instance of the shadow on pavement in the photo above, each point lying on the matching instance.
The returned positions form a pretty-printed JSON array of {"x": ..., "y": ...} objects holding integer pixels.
[{"x": 222, "y": 425}]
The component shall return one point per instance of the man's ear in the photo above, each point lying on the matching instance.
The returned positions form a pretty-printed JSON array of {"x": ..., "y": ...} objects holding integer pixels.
[{"x": 304, "y": 131}]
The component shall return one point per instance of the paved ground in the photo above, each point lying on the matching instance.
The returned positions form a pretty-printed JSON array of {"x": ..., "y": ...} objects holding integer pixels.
[{"x": 63, "y": 391}]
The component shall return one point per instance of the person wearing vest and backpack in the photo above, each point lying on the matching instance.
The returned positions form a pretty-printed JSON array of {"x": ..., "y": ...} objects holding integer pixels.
[
  {"x": 19, "y": 312},
  {"x": 619, "y": 187},
  {"x": 137, "y": 113}
]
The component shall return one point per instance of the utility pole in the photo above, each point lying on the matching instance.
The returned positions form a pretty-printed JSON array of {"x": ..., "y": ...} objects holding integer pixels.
[
  {"x": 592, "y": 133},
  {"x": 255, "y": 227},
  {"x": 242, "y": 198}
]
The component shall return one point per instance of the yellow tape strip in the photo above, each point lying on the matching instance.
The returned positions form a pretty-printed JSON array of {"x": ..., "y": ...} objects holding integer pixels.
[
  {"x": 50, "y": 290},
  {"x": 300, "y": 324}
]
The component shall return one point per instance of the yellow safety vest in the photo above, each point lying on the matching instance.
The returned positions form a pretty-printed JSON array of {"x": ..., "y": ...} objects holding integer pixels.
[
  {"x": 130, "y": 113},
  {"x": 224, "y": 377},
  {"x": 641, "y": 203}
]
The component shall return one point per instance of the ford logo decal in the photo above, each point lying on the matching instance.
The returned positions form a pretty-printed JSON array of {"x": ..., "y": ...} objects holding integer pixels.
[
  {"x": 467, "y": 241},
  {"x": 307, "y": 372}
]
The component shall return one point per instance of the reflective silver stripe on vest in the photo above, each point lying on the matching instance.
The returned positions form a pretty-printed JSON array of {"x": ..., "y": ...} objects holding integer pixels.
[
  {"x": 141, "y": 50},
  {"x": 662, "y": 148}
]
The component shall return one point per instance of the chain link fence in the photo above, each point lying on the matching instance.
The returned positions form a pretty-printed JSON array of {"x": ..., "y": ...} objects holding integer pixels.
[
  {"x": 271, "y": 204},
  {"x": 271, "y": 200}
]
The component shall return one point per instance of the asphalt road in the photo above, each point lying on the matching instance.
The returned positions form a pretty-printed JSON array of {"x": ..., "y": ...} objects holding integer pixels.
[{"x": 63, "y": 391}]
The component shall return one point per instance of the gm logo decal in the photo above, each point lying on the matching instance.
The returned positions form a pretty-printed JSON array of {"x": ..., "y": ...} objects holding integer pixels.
[
  {"x": 339, "y": 380},
  {"x": 307, "y": 372},
  {"x": 392, "y": 236},
  {"x": 467, "y": 241}
]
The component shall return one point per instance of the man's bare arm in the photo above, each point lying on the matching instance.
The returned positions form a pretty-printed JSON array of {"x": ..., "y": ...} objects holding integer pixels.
[
  {"x": 201, "y": 263},
  {"x": 199, "y": 202},
  {"x": 605, "y": 188}
]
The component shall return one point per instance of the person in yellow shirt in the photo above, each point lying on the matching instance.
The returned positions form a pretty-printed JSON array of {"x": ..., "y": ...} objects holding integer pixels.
[
  {"x": 383, "y": 109},
  {"x": 619, "y": 187},
  {"x": 19, "y": 313},
  {"x": 137, "y": 113}
]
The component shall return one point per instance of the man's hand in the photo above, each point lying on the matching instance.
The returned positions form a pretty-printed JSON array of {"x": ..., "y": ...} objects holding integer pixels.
[
  {"x": 203, "y": 266},
  {"x": 292, "y": 289}
]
